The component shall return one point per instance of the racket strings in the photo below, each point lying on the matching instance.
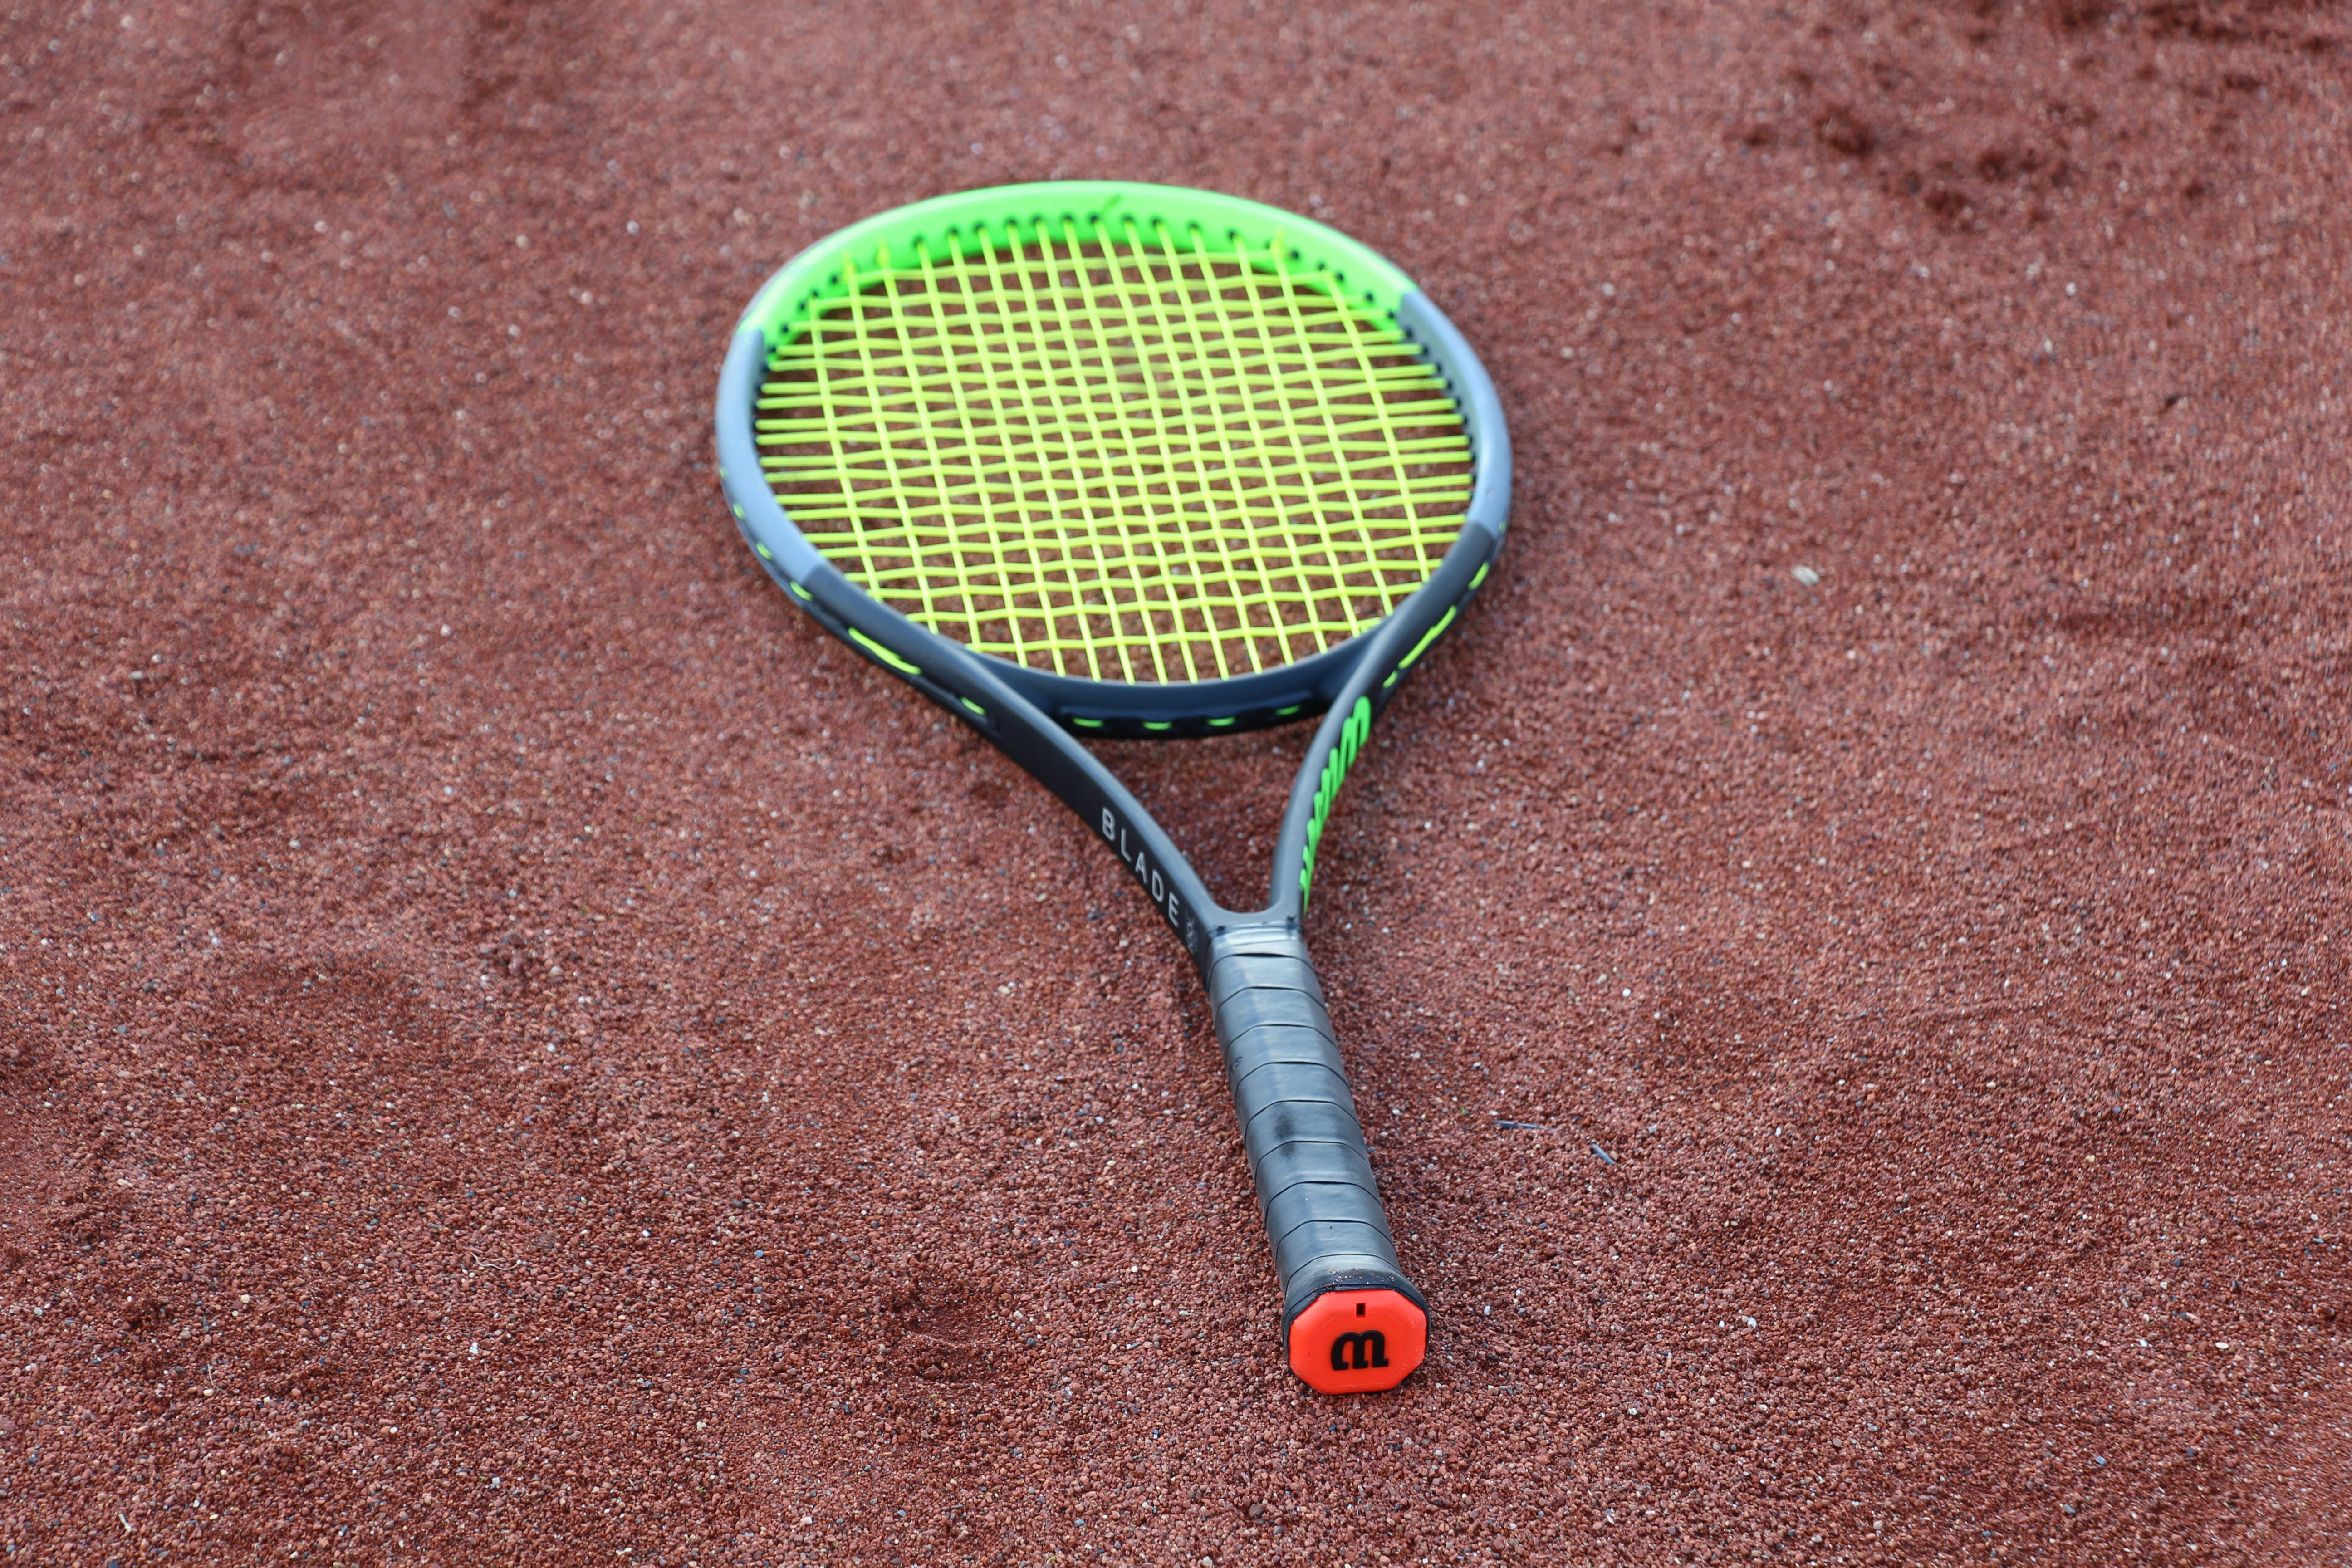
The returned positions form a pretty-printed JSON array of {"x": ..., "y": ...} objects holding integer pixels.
[{"x": 1114, "y": 453}]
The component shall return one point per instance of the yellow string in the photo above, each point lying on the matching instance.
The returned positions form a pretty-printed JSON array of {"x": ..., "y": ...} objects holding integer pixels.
[{"x": 1244, "y": 468}]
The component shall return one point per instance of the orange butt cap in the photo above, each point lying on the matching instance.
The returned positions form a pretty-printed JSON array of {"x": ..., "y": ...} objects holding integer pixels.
[{"x": 1358, "y": 1341}]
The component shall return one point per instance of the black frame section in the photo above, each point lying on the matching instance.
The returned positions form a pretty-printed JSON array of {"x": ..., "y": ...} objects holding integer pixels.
[{"x": 973, "y": 688}]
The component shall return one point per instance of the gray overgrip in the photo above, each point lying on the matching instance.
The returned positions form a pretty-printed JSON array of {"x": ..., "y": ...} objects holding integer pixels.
[{"x": 1315, "y": 1186}]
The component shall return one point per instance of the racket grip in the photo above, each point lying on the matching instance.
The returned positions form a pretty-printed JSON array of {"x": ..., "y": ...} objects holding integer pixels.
[{"x": 1351, "y": 1321}]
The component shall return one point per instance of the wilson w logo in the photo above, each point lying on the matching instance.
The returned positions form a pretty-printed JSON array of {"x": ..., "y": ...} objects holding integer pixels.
[{"x": 1367, "y": 1339}]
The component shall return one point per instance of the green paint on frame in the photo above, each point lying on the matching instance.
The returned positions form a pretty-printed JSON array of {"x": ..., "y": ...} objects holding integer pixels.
[{"x": 1352, "y": 735}]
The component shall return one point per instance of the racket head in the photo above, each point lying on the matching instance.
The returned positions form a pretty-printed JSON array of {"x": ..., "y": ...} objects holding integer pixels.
[{"x": 1164, "y": 459}]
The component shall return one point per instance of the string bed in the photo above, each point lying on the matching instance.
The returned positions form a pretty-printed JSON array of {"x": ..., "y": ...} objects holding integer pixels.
[{"x": 1118, "y": 453}]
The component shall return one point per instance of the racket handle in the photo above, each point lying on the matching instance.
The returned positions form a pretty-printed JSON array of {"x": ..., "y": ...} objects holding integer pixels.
[{"x": 1352, "y": 1322}]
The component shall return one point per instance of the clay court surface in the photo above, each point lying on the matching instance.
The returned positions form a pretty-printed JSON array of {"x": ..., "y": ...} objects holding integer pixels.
[{"x": 517, "y": 1048}]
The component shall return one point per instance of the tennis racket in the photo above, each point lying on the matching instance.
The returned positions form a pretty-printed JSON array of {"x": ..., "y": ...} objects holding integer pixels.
[{"x": 1086, "y": 459}]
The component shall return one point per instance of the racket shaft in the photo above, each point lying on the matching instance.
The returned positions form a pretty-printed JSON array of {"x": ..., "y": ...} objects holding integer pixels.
[{"x": 1315, "y": 1185}]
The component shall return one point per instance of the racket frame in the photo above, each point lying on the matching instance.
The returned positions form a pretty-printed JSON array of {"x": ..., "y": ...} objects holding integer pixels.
[{"x": 1040, "y": 719}]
